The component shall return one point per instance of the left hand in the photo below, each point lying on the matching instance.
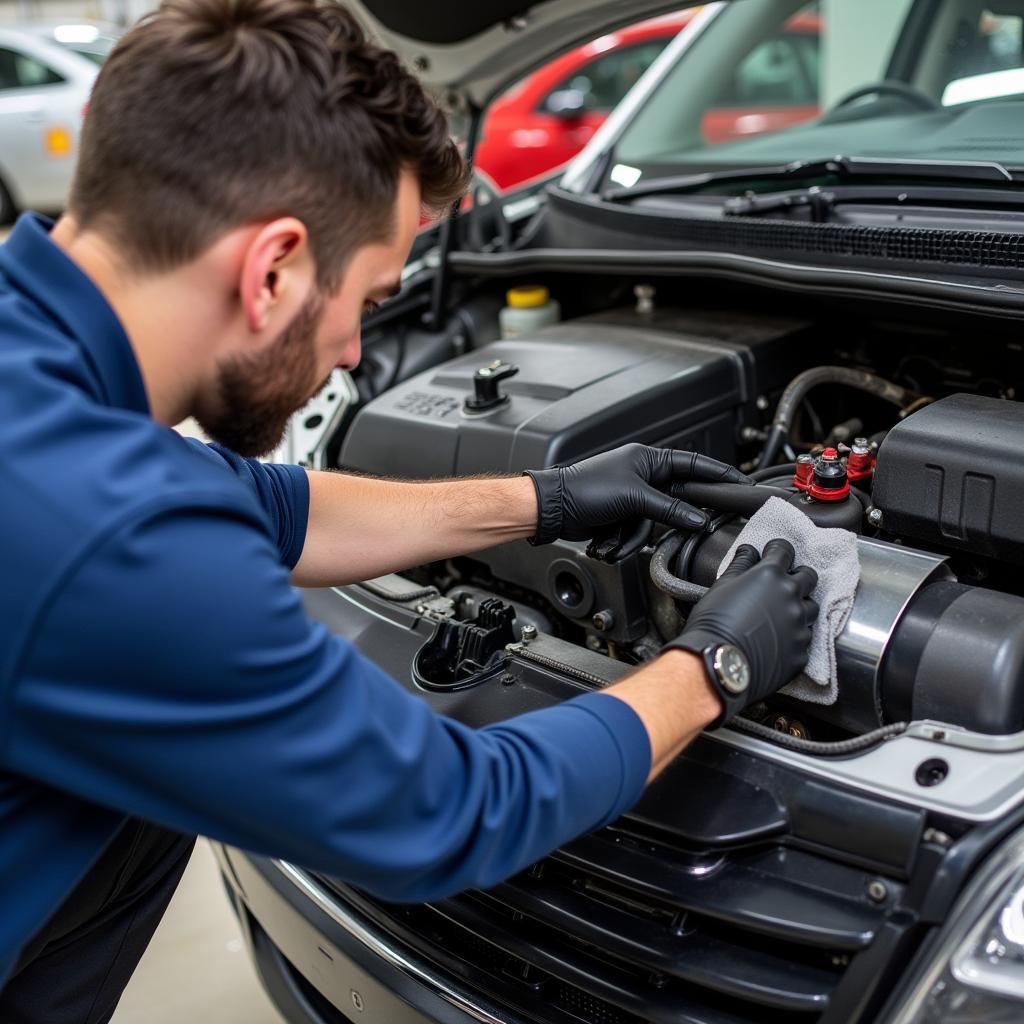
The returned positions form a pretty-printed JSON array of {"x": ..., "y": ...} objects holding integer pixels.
[{"x": 614, "y": 497}]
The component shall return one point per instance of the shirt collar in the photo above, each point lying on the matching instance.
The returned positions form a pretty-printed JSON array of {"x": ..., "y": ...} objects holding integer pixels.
[{"x": 46, "y": 274}]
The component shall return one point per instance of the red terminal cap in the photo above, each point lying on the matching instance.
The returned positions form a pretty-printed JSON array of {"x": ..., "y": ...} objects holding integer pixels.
[
  {"x": 860, "y": 464},
  {"x": 830, "y": 481},
  {"x": 804, "y": 475}
]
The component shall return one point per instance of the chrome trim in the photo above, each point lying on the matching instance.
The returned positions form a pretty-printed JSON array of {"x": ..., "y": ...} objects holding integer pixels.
[{"x": 377, "y": 945}]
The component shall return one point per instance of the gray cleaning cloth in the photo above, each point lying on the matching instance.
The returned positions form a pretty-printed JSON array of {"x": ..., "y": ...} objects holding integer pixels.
[{"x": 832, "y": 554}]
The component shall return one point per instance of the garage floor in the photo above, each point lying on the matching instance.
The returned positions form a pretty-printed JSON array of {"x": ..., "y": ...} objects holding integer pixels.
[{"x": 196, "y": 968}]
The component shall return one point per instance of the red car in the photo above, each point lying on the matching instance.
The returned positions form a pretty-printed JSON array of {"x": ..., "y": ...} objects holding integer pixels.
[{"x": 547, "y": 118}]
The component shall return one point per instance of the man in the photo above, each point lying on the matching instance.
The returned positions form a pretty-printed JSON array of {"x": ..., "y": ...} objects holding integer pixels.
[{"x": 251, "y": 176}]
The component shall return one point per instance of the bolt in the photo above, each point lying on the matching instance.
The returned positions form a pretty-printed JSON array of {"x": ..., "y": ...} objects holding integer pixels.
[
  {"x": 603, "y": 620},
  {"x": 528, "y": 633},
  {"x": 357, "y": 1001},
  {"x": 934, "y": 835},
  {"x": 861, "y": 446},
  {"x": 644, "y": 298},
  {"x": 507, "y": 679},
  {"x": 877, "y": 892},
  {"x": 781, "y": 724},
  {"x": 875, "y": 516},
  {"x": 594, "y": 643}
]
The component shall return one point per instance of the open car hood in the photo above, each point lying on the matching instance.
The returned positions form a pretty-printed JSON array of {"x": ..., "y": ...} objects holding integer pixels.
[{"x": 472, "y": 48}]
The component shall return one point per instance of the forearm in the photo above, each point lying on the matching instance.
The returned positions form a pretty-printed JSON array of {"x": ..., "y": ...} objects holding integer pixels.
[
  {"x": 360, "y": 527},
  {"x": 673, "y": 698}
]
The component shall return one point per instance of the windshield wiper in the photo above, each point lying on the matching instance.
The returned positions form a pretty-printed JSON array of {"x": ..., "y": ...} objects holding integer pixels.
[{"x": 843, "y": 168}]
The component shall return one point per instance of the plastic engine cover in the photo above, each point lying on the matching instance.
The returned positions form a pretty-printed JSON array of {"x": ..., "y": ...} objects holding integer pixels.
[
  {"x": 953, "y": 475},
  {"x": 582, "y": 387}
]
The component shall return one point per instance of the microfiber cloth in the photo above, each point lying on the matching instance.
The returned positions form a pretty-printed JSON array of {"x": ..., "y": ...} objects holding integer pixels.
[{"x": 832, "y": 554}]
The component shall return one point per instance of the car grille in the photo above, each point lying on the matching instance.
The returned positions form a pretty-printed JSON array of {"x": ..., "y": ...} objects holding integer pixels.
[{"x": 619, "y": 929}]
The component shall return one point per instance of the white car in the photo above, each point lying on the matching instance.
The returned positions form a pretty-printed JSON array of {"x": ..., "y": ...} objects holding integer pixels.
[{"x": 46, "y": 74}]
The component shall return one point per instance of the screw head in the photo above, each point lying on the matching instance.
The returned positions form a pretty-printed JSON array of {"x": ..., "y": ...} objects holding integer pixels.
[
  {"x": 877, "y": 891},
  {"x": 528, "y": 633},
  {"x": 875, "y": 516},
  {"x": 603, "y": 620}
]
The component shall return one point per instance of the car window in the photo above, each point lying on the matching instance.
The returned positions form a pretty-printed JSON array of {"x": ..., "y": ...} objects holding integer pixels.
[
  {"x": 985, "y": 58},
  {"x": 607, "y": 78},
  {"x": 19, "y": 71},
  {"x": 778, "y": 72}
]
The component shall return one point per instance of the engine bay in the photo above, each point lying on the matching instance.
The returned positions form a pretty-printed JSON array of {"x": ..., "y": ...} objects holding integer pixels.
[{"x": 899, "y": 433}]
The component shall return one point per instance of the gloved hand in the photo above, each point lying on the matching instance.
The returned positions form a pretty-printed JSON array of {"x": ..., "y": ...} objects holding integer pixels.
[
  {"x": 761, "y": 607},
  {"x": 613, "y": 497}
]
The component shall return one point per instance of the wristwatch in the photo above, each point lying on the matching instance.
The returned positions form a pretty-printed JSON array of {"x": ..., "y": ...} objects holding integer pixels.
[
  {"x": 727, "y": 664},
  {"x": 728, "y": 671}
]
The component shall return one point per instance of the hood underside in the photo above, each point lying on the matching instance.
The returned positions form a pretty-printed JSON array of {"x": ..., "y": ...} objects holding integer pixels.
[{"x": 472, "y": 48}]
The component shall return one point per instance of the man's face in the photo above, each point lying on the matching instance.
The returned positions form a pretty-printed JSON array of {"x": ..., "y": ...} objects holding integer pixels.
[{"x": 260, "y": 391}]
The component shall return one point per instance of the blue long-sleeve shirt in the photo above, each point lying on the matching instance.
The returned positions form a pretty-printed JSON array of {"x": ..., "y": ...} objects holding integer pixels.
[{"x": 155, "y": 660}]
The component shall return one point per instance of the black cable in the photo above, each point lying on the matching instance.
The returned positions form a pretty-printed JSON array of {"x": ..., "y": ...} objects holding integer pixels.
[
  {"x": 800, "y": 385},
  {"x": 829, "y": 749}
]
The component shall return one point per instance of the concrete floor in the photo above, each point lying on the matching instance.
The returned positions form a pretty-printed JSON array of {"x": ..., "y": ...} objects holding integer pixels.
[{"x": 196, "y": 968}]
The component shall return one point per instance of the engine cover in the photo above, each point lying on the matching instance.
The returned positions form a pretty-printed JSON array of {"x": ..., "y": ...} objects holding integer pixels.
[
  {"x": 952, "y": 475},
  {"x": 582, "y": 387}
]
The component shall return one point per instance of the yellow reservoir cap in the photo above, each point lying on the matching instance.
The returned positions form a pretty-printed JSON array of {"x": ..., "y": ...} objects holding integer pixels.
[{"x": 527, "y": 296}]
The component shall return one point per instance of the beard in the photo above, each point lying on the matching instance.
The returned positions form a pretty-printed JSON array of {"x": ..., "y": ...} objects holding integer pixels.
[{"x": 260, "y": 392}]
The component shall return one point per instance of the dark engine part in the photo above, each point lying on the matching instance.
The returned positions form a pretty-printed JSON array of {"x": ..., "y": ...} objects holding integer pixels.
[
  {"x": 459, "y": 650},
  {"x": 918, "y": 643},
  {"x": 952, "y": 474},
  {"x": 582, "y": 387}
]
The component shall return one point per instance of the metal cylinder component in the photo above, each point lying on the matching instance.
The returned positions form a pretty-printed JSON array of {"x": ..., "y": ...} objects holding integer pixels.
[{"x": 890, "y": 576}]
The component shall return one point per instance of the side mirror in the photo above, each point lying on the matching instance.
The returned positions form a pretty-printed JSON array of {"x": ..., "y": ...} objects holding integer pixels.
[{"x": 568, "y": 104}]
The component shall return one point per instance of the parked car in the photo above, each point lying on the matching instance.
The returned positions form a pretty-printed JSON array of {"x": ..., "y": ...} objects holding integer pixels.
[
  {"x": 856, "y": 279},
  {"x": 547, "y": 118},
  {"x": 46, "y": 74}
]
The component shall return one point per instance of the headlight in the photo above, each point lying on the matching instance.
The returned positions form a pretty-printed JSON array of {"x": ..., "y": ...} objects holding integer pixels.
[{"x": 976, "y": 972}]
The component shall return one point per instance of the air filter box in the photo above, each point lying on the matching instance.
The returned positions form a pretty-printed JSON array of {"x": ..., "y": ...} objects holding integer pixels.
[
  {"x": 581, "y": 387},
  {"x": 952, "y": 474}
]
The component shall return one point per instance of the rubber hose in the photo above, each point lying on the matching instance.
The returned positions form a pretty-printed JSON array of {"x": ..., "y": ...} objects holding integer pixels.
[
  {"x": 783, "y": 470},
  {"x": 737, "y": 499},
  {"x": 396, "y": 595},
  {"x": 797, "y": 390},
  {"x": 663, "y": 577},
  {"x": 834, "y": 749}
]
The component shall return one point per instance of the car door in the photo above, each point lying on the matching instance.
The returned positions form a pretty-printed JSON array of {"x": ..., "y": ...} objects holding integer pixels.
[{"x": 29, "y": 147}]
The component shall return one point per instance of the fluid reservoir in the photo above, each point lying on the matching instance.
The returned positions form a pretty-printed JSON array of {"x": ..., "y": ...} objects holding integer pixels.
[{"x": 529, "y": 308}]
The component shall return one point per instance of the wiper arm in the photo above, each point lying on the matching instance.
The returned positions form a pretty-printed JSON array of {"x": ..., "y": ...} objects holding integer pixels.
[
  {"x": 820, "y": 202},
  {"x": 843, "y": 168}
]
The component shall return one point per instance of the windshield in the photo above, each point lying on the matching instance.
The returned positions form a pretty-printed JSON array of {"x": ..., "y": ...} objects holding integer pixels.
[{"x": 774, "y": 81}]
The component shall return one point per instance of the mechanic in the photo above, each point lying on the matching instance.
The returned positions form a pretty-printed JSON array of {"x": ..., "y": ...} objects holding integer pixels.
[{"x": 251, "y": 176}]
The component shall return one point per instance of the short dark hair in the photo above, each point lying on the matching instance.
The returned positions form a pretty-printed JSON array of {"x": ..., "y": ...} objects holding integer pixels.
[{"x": 211, "y": 114}]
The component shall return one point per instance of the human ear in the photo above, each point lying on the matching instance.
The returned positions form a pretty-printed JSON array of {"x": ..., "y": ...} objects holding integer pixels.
[{"x": 274, "y": 268}]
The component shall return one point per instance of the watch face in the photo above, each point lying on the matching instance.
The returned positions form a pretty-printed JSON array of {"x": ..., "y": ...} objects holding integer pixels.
[{"x": 732, "y": 668}]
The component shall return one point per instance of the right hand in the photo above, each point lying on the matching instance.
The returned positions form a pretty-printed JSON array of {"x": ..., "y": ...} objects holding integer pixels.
[{"x": 762, "y": 606}]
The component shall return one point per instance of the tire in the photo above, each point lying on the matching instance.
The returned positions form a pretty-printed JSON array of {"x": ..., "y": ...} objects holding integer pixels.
[{"x": 8, "y": 211}]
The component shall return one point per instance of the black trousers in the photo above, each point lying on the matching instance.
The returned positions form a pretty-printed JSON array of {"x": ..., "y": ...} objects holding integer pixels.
[{"x": 75, "y": 969}]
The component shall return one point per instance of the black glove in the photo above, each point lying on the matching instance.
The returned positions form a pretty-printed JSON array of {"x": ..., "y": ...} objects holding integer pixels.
[
  {"x": 761, "y": 606},
  {"x": 612, "y": 497}
]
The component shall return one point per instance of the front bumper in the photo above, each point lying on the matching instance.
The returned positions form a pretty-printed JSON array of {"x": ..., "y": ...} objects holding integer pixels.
[{"x": 322, "y": 963}]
